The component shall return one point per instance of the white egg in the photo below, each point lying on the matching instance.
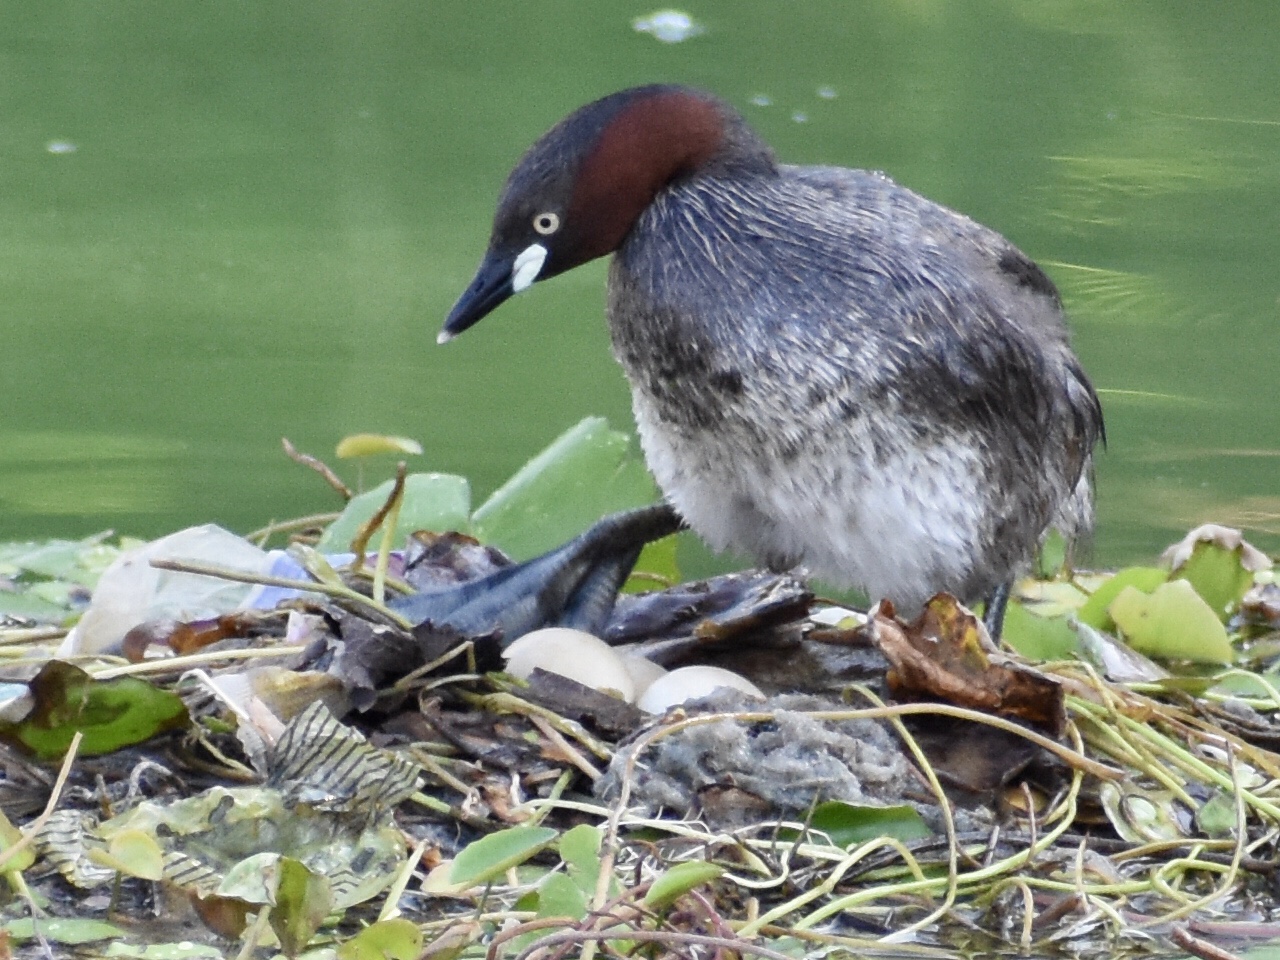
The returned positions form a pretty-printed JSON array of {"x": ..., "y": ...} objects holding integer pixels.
[
  {"x": 689, "y": 683},
  {"x": 574, "y": 654}
]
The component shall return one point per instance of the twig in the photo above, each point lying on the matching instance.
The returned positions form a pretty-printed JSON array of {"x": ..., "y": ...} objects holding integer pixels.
[
  {"x": 570, "y": 754},
  {"x": 334, "y": 590},
  {"x": 396, "y": 500},
  {"x": 318, "y": 465},
  {"x": 187, "y": 661},
  {"x": 360, "y": 543},
  {"x": 263, "y": 534},
  {"x": 1200, "y": 948},
  {"x": 20, "y": 635}
]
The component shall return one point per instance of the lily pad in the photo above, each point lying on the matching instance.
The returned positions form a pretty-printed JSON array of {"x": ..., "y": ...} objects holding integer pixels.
[
  {"x": 432, "y": 501},
  {"x": 1218, "y": 575},
  {"x": 588, "y": 471},
  {"x": 70, "y": 930},
  {"x": 1096, "y": 610},
  {"x": 1172, "y": 622},
  {"x": 110, "y": 713},
  {"x": 1037, "y": 637}
]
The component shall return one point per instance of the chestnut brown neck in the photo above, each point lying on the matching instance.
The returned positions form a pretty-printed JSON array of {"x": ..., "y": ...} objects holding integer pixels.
[{"x": 664, "y": 134}]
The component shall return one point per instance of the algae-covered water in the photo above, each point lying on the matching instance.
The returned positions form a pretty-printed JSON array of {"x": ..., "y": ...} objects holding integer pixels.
[{"x": 225, "y": 222}]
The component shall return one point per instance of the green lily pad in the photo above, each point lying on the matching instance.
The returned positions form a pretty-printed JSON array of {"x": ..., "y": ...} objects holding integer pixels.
[
  {"x": 1039, "y": 638},
  {"x": 77, "y": 561},
  {"x": 1172, "y": 622},
  {"x": 29, "y": 606},
  {"x": 589, "y": 471},
  {"x": 109, "y": 713},
  {"x": 432, "y": 501},
  {"x": 70, "y": 930},
  {"x": 1217, "y": 817},
  {"x": 1218, "y": 575},
  {"x": 1095, "y": 610},
  {"x": 1141, "y": 815}
]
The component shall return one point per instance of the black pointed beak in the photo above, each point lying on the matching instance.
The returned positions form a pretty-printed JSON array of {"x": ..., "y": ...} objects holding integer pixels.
[{"x": 491, "y": 286}]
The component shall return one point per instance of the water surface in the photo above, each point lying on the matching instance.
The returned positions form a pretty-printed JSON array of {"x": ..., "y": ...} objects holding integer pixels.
[{"x": 228, "y": 222}]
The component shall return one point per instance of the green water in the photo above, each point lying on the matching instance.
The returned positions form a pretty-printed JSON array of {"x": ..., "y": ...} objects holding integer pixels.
[{"x": 227, "y": 222}]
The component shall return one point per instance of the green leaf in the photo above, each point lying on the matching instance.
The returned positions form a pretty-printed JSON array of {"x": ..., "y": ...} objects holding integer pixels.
[
  {"x": 30, "y": 606},
  {"x": 673, "y": 884},
  {"x": 253, "y": 879},
  {"x": 588, "y": 472},
  {"x": 848, "y": 824},
  {"x": 1039, "y": 638},
  {"x": 1095, "y": 613},
  {"x": 580, "y": 850},
  {"x": 659, "y": 558},
  {"x": 1141, "y": 814},
  {"x": 432, "y": 501},
  {"x": 1218, "y": 575},
  {"x": 1246, "y": 683},
  {"x": 303, "y": 900},
  {"x": 397, "y": 939},
  {"x": 1217, "y": 817},
  {"x": 494, "y": 855},
  {"x": 64, "y": 560},
  {"x": 9, "y": 837},
  {"x": 560, "y": 896},
  {"x": 1172, "y": 622},
  {"x": 110, "y": 713},
  {"x": 70, "y": 931},
  {"x": 369, "y": 444},
  {"x": 134, "y": 853}
]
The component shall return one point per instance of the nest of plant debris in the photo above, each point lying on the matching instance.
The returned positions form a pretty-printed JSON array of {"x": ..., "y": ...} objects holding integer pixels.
[{"x": 325, "y": 774}]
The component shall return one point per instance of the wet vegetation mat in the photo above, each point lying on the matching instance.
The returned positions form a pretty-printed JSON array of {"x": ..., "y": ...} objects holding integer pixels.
[{"x": 414, "y": 729}]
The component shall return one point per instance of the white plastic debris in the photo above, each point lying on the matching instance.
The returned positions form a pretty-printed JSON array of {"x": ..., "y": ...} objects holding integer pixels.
[{"x": 131, "y": 591}]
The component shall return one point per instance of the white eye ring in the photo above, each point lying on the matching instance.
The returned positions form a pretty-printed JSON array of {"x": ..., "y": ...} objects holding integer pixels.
[{"x": 546, "y": 223}]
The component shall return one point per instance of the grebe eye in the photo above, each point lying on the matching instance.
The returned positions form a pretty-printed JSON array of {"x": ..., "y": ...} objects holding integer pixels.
[{"x": 546, "y": 223}]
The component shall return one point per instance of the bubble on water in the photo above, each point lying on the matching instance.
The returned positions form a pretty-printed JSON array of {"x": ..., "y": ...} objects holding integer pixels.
[
  {"x": 669, "y": 26},
  {"x": 762, "y": 100},
  {"x": 800, "y": 116},
  {"x": 61, "y": 146},
  {"x": 827, "y": 93}
]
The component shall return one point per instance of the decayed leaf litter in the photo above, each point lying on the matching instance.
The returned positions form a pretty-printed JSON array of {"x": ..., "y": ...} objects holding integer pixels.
[{"x": 494, "y": 752}]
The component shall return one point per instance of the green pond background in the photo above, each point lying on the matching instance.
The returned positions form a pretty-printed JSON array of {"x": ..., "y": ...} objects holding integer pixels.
[{"x": 227, "y": 222}]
